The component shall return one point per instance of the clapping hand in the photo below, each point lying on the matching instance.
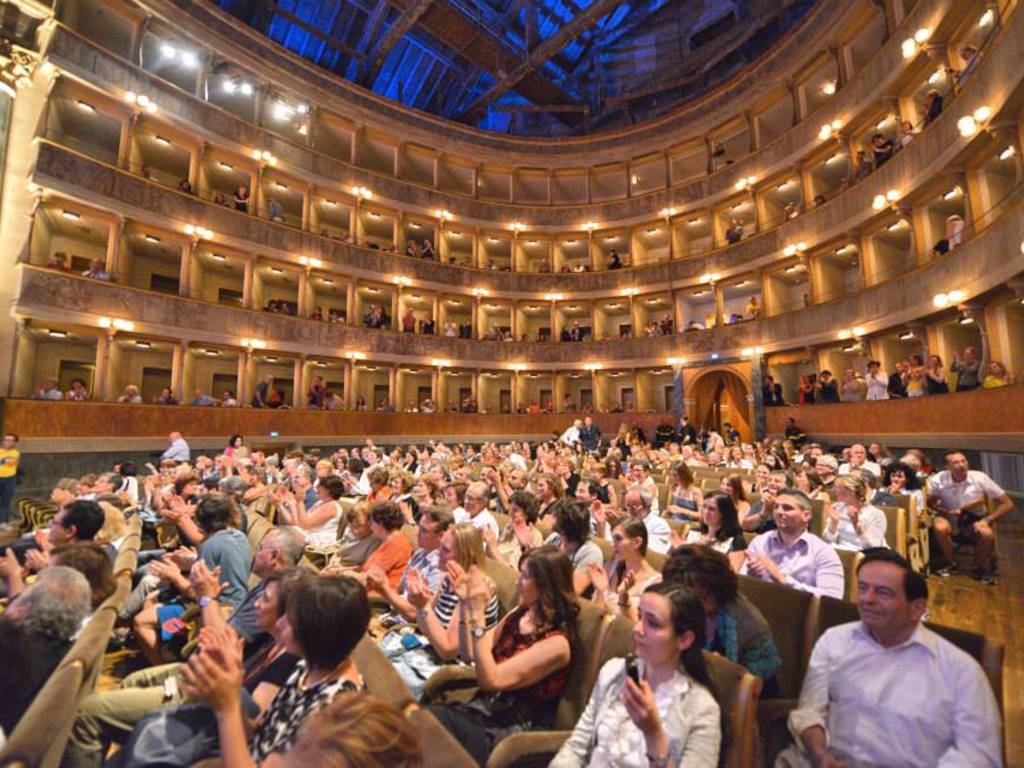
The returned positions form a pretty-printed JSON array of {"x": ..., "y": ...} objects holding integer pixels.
[
  {"x": 206, "y": 583},
  {"x": 598, "y": 577},
  {"x": 36, "y": 560},
  {"x": 215, "y": 674},
  {"x": 376, "y": 578},
  {"x": 416, "y": 589}
]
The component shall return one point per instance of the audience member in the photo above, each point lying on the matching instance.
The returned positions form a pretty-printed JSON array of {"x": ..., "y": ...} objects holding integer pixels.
[{"x": 873, "y": 683}]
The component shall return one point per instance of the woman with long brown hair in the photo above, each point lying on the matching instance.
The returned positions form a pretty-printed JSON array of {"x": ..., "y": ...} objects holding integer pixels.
[{"x": 522, "y": 665}]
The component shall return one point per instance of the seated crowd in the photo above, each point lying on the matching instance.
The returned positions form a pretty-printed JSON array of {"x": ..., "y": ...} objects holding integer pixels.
[{"x": 484, "y": 561}]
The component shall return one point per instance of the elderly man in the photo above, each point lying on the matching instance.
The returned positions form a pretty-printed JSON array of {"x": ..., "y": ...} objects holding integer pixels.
[
  {"x": 178, "y": 449},
  {"x": 639, "y": 503},
  {"x": 109, "y": 716},
  {"x": 475, "y": 503},
  {"x": 640, "y": 477},
  {"x": 571, "y": 436},
  {"x": 967, "y": 503},
  {"x": 859, "y": 460},
  {"x": 46, "y": 616},
  {"x": 886, "y": 690},
  {"x": 793, "y": 556}
]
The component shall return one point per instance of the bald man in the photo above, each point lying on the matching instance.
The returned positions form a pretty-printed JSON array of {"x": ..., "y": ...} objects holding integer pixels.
[{"x": 178, "y": 449}]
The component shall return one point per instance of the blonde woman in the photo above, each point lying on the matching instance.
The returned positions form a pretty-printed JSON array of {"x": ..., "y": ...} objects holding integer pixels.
[{"x": 853, "y": 523}]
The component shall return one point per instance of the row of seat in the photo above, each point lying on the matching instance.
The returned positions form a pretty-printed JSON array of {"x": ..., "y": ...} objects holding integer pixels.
[{"x": 41, "y": 735}]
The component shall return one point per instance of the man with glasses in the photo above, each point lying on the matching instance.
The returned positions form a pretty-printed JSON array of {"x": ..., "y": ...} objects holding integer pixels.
[
  {"x": 640, "y": 504},
  {"x": 477, "y": 497}
]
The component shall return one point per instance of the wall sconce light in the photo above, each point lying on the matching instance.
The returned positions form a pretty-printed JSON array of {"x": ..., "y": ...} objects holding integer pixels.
[
  {"x": 254, "y": 344},
  {"x": 667, "y": 212},
  {"x": 140, "y": 100},
  {"x": 911, "y": 45},
  {"x": 968, "y": 125},
  {"x": 201, "y": 232},
  {"x": 746, "y": 182},
  {"x": 440, "y": 362},
  {"x": 942, "y": 300},
  {"x": 830, "y": 130}
]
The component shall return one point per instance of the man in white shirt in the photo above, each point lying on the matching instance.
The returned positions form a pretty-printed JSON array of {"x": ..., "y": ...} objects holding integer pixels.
[
  {"x": 640, "y": 477},
  {"x": 888, "y": 691},
  {"x": 475, "y": 502},
  {"x": 639, "y": 504},
  {"x": 859, "y": 460},
  {"x": 571, "y": 436},
  {"x": 877, "y": 381},
  {"x": 960, "y": 498},
  {"x": 178, "y": 450}
]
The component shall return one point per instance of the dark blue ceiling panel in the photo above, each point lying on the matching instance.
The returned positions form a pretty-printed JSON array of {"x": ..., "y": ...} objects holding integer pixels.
[{"x": 642, "y": 47}]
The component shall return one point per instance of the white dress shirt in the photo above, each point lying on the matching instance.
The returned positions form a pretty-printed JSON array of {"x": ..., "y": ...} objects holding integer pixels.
[
  {"x": 878, "y": 385},
  {"x": 484, "y": 519},
  {"x": 870, "y": 466},
  {"x": 659, "y": 533},
  {"x": 922, "y": 704}
]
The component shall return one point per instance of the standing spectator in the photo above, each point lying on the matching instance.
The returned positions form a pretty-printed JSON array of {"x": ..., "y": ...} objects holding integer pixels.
[
  {"x": 906, "y": 134},
  {"x": 10, "y": 459},
  {"x": 862, "y": 167},
  {"x": 998, "y": 376},
  {"x": 178, "y": 450},
  {"x": 932, "y": 107},
  {"x": 882, "y": 149},
  {"x": 897, "y": 380},
  {"x": 198, "y": 398},
  {"x": 969, "y": 368},
  {"x": 614, "y": 260},
  {"x": 807, "y": 390},
  {"x": 828, "y": 388},
  {"x": 275, "y": 211},
  {"x": 854, "y": 387},
  {"x": 935, "y": 374},
  {"x": 771, "y": 392},
  {"x": 877, "y": 382},
  {"x": 241, "y": 199},
  {"x": 78, "y": 392},
  {"x": 971, "y": 58},
  {"x": 411, "y": 249},
  {"x": 427, "y": 251},
  {"x": 97, "y": 270},
  {"x": 261, "y": 395},
  {"x": 734, "y": 233},
  {"x": 409, "y": 321}
]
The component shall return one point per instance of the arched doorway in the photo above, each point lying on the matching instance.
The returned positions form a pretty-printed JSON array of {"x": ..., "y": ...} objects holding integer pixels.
[{"x": 721, "y": 396}]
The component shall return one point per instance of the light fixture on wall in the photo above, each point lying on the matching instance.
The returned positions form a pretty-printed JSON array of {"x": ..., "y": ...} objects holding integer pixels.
[
  {"x": 830, "y": 130},
  {"x": 907, "y": 336},
  {"x": 710, "y": 277},
  {"x": 674, "y": 361},
  {"x": 141, "y": 100},
  {"x": 668, "y": 212},
  {"x": 987, "y": 17},
  {"x": 309, "y": 261},
  {"x": 942, "y": 300},
  {"x": 965, "y": 319},
  {"x": 829, "y": 88},
  {"x": 254, "y": 343},
  {"x": 592, "y": 366},
  {"x": 747, "y": 182},
  {"x": 201, "y": 232},
  {"x": 969, "y": 125},
  {"x": 57, "y": 334},
  {"x": 1007, "y": 153},
  {"x": 911, "y": 45}
]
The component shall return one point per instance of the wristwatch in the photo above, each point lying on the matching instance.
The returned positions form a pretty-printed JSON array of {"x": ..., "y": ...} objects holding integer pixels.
[
  {"x": 477, "y": 632},
  {"x": 205, "y": 601}
]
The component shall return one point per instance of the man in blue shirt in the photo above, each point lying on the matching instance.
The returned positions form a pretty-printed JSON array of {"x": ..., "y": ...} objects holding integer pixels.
[{"x": 178, "y": 450}]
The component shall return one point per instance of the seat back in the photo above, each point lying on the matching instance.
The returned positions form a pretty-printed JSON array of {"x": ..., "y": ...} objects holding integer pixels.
[
  {"x": 656, "y": 560},
  {"x": 896, "y": 528},
  {"x": 504, "y": 579},
  {"x": 620, "y": 490},
  {"x": 440, "y": 749},
  {"x": 663, "y": 495},
  {"x": 987, "y": 653},
  {"x": 91, "y": 644},
  {"x": 817, "y": 523},
  {"x": 258, "y": 528},
  {"x": 379, "y": 674},
  {"x": 850, "y": 559},
  {"x": 738, "y": 692},
  {"x": 607, "y": 551},
  {"x": 789, "y": 613},
  {"x": 42, "y": 733},
  {"x": 502, "y": 520},
  {"x": 591, "y": 625}
]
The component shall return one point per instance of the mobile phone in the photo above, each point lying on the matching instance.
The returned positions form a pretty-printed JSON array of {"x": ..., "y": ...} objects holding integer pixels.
[{"x": 633, "y": 668}]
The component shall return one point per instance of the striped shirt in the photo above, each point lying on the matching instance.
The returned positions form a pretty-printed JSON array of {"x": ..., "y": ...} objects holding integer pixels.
[{"x": 447, "y": 601}]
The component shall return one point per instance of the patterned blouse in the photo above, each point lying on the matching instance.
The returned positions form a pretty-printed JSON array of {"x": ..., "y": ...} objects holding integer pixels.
[
  {"x": 293, "y": 705},
  {"x": 742, "y": 635}
]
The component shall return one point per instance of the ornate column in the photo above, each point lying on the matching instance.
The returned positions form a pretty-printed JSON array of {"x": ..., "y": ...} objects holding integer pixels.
[
  {"x": 185, "y": 270},
  {"x": 114, "y": 247},
  {"x": 244, "y": 377},
  {"x": 346, "y": 383},
  {"x": 101, "y": 376},
  {"x": 249, "y": 283},
  {"x": 298, "y": 382}
]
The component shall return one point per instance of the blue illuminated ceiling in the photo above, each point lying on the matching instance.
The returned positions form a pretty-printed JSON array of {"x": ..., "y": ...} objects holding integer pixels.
[{"x": 529, "y": 67}]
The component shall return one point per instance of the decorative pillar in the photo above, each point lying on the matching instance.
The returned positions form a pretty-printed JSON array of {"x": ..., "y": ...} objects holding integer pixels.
[
  {"x": 185, "y": 270},
  {"x": 719, "y": 304},
  {"x": 346, "y": 383},
  {"x": 298, "y": 382},
  {"x": 396, "y": 298},
  {"x": 101, "y": 375},
  {"x": 178, "y": 351},
  {"x": 514, "y": 390},
  {"x": 249, "y": 283},
  {"x": 303, "y": 297},
  {"x": 244, "y": 377},
  {"x": 114, "y": 247}
]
